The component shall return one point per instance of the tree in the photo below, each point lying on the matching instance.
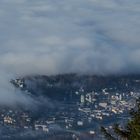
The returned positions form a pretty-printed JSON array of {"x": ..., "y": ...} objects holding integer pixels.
[{"x": 131, "y": 130}]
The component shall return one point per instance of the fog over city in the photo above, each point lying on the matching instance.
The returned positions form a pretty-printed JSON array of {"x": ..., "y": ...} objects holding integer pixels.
[{"x": 48, "y": 37}]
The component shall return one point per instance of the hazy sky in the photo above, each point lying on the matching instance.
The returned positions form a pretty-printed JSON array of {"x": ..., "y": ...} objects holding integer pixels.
[{"x": 61, "y": 36}]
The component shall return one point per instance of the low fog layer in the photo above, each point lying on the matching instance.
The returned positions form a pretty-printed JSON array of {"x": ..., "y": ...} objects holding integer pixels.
[{"x": 63, "y": 36}]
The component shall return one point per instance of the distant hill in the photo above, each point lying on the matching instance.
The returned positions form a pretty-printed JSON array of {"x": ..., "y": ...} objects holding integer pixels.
[{"x": 65, "y": 85}]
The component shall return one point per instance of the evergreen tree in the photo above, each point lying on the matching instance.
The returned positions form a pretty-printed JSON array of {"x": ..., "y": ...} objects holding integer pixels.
[{"x": 130, "y": 132}]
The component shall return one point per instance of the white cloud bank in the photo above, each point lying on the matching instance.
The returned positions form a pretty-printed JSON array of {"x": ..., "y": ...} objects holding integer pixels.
[{"x": 51, "y": 36}]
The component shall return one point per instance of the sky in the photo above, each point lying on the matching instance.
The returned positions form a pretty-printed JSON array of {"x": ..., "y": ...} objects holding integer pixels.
[{"x": 62, "y": 36}]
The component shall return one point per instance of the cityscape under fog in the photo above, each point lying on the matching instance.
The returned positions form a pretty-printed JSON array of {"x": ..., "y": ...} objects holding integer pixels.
[{"x": 69, "y": 69}]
